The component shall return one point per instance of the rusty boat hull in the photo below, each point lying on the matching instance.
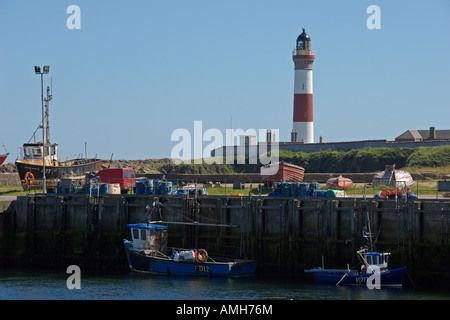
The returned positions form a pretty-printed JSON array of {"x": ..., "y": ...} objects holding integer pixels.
[
  {"x": 3, "y": 158},
  {"x": 72, "y": 169}
]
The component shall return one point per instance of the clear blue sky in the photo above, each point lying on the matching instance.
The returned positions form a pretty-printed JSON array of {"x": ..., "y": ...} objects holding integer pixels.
[{"x": 138, "y": 70}]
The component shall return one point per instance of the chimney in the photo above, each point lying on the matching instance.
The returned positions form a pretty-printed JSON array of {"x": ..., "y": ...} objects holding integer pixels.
[
  {"x": 268, "y": 136},
  {"x": 432, "y": 133}
]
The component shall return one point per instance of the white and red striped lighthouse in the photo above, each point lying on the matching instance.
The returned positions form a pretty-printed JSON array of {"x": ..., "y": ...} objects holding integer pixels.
[{"x": 303, "y": 128}]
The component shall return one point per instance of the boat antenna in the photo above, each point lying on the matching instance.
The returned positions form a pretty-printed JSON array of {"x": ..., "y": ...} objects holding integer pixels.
[
  {"x": 110, "y": 160},
  {"x": 369, "y": 236},
  {"x": 3, "y": 145}
]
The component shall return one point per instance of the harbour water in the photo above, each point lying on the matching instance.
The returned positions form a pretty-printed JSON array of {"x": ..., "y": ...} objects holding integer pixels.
[{"x": 45, "y": 285}]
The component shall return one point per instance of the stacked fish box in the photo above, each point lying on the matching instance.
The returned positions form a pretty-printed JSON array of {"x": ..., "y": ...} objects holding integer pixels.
[
  {"x": 300, "y": 190},
  {"x": 69, "y": 186},
  {"x": 153, "y": 187},
  {"x": 144, "y": 187},
  {"x": 95, "y": 189},
  {"x": 162, "y": 187}
]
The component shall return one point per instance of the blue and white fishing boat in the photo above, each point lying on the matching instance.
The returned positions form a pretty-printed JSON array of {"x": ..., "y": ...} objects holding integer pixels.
[
  {"x": 374, "y": 266},
  {"x": 148, "y": 253},
  {"x": 373, "y": 273}
]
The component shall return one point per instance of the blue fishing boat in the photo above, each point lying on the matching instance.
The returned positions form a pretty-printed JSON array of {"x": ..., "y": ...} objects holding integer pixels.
[
  {"x": 148, "y": 253},
  {"x": 374, "y": 272}
]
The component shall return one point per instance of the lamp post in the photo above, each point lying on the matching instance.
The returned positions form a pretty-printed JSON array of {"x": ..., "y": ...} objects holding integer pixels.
[{"x": 45, "y": 70}]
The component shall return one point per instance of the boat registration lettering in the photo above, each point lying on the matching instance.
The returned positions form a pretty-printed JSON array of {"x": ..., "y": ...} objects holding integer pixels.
[
  {"x": 361, "y": 280},
  {"x": 201, "y": 268}
]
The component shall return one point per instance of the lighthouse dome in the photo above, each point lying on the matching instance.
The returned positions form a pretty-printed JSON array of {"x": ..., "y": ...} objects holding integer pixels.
[
  {"x": 303, "y": 41},
  {"x": 303, "y": 36}
]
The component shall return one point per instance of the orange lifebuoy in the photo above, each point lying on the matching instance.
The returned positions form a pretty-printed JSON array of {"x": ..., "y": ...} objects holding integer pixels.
[
  {"x": 385, "y": 193},
  {"x": 201, "y": 255},
  {"x": 29, "y": 178}
]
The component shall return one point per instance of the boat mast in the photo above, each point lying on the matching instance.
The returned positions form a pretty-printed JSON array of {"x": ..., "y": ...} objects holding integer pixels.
[
  {"x": 370, "y": 231},
  {"x": 47, "y": 113}
]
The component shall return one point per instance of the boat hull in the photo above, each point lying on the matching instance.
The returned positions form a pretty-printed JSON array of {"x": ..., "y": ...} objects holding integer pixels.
[
  {"x": 3, "y": 158},
  {"x": 283, "y": 172},
  {"x": 141, "y": 262},
  {"x": 65, "y": 170},
  {"x": 388, "y": 278}
]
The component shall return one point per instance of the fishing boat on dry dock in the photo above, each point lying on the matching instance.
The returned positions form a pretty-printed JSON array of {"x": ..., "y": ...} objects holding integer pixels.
[
  {"x": 148, "y": 253},
  {"x": 31, "y": 160},
  {"x": 30, "y": 166}
]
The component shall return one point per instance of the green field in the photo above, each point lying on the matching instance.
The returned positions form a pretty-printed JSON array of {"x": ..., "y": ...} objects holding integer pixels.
[
  {"x": 12, "y": 191},
  {"x": 429, "y": 159},
  {"x": 421, "y": 159}
]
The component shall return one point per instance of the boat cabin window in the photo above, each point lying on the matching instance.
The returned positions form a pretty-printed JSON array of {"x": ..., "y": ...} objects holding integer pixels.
[
  {"x": 142, "y": 235},
  {"x": 36, "y": 152},
  {"x": 153, "y": 239},
  {"x": 27, "y": 152},
  {"x": 380, "y": 259},
  {"x": 52, "y": 150}
]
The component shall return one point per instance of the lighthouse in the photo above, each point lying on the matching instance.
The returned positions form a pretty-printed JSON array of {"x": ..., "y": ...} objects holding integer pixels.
[{"x": 303, "y": 57}]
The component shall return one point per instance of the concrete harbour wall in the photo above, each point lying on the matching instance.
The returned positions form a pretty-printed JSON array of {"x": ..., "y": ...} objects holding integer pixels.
[
  {"x": 284, "y": 235},
  {"x": 9, "y": 179}
]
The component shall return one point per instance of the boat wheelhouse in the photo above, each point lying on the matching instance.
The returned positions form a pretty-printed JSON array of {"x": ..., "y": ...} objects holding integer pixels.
[
  {"x": 148, "y": 237},
  {"x": 374, "y": 260}
]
